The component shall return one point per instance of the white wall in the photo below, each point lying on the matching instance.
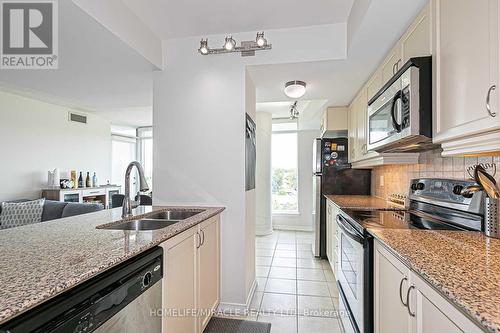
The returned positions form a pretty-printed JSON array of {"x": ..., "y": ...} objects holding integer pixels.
[
  {"x": 36, "y": 137},
  {"x": 199, "y": 121},
  {"x": 303, "y": 220},
  {"x": 263, "y": 223}
]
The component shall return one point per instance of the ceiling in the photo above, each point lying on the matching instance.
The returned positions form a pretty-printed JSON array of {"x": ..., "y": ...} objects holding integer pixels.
[
  {"x": 309, "y": 111},
  {"x": 175, "y": 19},
  {"x": 97, "y": 73},
  {"x": 338, "y": 81}
]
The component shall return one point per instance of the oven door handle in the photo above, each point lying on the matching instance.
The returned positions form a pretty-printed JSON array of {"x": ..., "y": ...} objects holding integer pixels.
[
  {"x": 350, "y": 231},
  {"x": 395, "y": 124},
  {"x": 432, "y": 219}
]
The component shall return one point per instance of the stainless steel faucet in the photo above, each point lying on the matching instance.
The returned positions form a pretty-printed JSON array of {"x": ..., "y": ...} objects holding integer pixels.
[{"x": 143, "y": 186}]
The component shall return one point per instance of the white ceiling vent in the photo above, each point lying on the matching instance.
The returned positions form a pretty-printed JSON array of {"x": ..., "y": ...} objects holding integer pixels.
[{"x": 77, "y": 118}]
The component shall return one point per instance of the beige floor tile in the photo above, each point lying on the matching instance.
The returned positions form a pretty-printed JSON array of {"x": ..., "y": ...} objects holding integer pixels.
[
  {"x": 329, "y": 275},
  {"x": 284, "y": 262},
  {"x": 266, "y": 245},
  {"x": 285, "y": 254},
  {"x": 262, "y": 271},
  {"x": 261, "y": 284},
  {"x": 263, "y": 261},
  {"x": 256, "y": 300},
  {"x": 305, "y": 254},
  {"x": 308, "y": 263},
  {"x": 318, "y": 325},
  {"x": 310, "y": 274},
  {"x": 264, "y": 252},
  {"x": 280, "y": 324},
  {"x": 326, "y": 265},
  {"x": 283, "y": 273},
  {"x": 281, "y": 286},
  {"x": 279, "y": 304},
  {"x": 332, "y": 287},
  {"x": 303, "y": 246},
  {"x": 284, "y": 246},
  {"x": 314, "y": 306},
  {"x": 312, "y": 288}
]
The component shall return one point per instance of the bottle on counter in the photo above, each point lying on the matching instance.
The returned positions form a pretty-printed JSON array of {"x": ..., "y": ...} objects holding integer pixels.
[
  {"x": 88, "y": 183},
  {"x": 80, "y": 180},
  {"x": 94, "y": 180}
]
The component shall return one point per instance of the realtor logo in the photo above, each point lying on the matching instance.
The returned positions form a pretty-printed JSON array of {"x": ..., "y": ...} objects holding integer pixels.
[{"x": 29, "y": 34}]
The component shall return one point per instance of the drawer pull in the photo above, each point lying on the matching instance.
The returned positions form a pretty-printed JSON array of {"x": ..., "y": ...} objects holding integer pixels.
[{"x": 408, "y": 301}]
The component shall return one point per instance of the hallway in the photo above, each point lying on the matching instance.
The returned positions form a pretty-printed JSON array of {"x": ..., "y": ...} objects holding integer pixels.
[{"x": 296, "y": 292}]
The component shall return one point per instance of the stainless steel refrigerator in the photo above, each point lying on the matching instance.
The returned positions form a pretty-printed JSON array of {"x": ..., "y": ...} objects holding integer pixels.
[{"x": 333, "y": 175}]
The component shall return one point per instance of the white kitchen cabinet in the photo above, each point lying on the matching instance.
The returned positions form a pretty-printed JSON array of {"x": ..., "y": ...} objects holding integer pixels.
[
  {"x": 209, "y": 270},
  {"x": 374, "y": 84},
  {"x": 417, "y": 41},
  {"x": 331, "y": 234},
  {"x": 333, "y": 121},
  {"x": 191, "y": 278},
  {"x": 404, "y": 302},
  {"x": 466, "y": 47},
  {"x": 391, "y": 64},
  {"x": 352, "y": 132},
  {"x": 179, "y": 281},
  {"x": 390, "y": 280}
]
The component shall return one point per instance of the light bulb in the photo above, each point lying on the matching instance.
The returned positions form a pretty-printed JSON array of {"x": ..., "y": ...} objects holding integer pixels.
[
  {"x": 203, "y": 47},
  {"x": 229, "y": 43},
  {"x": 260, "y": 40}
]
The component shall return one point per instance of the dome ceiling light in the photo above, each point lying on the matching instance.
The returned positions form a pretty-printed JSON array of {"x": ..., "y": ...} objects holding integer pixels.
[
  {"x": 246, "y": 48},
  {"x": 295, "y": 89}
]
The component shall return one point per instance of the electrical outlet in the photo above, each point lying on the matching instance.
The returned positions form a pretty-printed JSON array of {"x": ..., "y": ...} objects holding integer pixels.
[{"x": 381, "y": 181}]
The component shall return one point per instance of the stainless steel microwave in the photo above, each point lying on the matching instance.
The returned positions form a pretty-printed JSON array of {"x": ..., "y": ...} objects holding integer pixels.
[{"x": 400, "y": 114}]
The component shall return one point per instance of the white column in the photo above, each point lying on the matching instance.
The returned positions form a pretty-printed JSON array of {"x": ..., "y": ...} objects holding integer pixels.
[{"x": 264, "y": 224}]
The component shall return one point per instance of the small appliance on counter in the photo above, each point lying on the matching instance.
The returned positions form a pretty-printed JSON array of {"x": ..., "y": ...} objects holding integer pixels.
[
  {"x": 431, "y": 204},
  {"x": 333, "y": 175}
]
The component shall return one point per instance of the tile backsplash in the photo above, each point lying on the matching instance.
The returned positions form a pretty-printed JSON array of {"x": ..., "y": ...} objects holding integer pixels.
[{"x": 391, "y": 179}]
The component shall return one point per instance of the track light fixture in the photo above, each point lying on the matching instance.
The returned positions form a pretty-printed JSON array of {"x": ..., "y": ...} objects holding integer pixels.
[
  {"x": 246, "y": 48},
  {"x": 294, "y": 113}
]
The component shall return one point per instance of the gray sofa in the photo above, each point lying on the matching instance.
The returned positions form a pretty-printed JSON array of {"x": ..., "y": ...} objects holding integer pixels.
[{"x": 53, "y": 210}]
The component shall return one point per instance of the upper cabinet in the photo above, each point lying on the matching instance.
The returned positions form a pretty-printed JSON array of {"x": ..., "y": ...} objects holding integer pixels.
[
  {"x": 333, "y": 121},
  {"x": 416, "y": 42},
  {"x": 391, "y": 64},
  {"x": 466, "y": 75}
]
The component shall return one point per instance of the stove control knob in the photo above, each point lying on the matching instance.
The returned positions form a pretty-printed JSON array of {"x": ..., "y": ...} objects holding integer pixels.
[
  {"x": 146, "y": 279},
  {"x": 420, "y": 186},
  {"x": 413, "y": 187},
  {"x": 457, "y": 189}
]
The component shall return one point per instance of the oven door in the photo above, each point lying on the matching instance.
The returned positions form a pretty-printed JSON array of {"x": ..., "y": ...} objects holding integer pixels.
[{"x": 351, "y": 272}]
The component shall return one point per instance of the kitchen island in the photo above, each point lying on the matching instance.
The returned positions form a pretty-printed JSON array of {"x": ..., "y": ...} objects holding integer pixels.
[{"x": 43, "y": 260}]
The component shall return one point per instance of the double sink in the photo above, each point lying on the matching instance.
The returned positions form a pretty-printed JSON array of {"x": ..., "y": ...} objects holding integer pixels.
[{"x": 154, "y": 221}]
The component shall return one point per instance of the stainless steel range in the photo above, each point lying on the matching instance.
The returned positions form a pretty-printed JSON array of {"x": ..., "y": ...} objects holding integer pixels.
[{"x": 433, "y": 204}]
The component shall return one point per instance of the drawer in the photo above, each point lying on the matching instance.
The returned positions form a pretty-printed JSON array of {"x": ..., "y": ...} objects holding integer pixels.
[{"x": 93, "y": 192}]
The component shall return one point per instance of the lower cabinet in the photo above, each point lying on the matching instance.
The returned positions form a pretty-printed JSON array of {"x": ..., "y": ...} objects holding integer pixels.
[
  {"x": 332, "y": 243},
  {"x": 404, "y": 302},
  {"x": 191, "y": 278}
]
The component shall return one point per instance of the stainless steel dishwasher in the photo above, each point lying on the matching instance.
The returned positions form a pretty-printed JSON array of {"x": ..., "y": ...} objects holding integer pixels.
[{"x": 126, "y": 298}]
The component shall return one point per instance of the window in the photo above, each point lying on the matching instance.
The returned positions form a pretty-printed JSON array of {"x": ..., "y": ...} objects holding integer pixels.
[
  {"x": 145, "y": 152},
  {"x": 123, "y": 151},
  {"x": 284, "y": 168}
]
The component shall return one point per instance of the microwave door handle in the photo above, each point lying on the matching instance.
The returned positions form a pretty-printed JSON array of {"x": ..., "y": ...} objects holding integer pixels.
[
  {"x": 349, "y": 231},
  {"x": 399, "y": 95}
]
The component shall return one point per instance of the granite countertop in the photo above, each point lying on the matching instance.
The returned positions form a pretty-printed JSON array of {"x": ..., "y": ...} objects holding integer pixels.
[
  {"x": 42, "y": 260},
  {"x": 361, "y": 202},
  {"x": 463, "y": 266}
]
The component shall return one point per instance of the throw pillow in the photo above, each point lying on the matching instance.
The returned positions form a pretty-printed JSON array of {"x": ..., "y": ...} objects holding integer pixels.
[{"x": 22, "y": 213}]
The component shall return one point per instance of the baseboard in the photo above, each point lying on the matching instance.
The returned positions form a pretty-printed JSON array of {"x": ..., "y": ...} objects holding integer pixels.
[
  {"x": 291, "y": 228},
  {"x": 238, "y": 309}
]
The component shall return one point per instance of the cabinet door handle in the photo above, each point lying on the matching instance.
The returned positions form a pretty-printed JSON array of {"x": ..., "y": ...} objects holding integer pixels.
[
  {"x": 488, "y": 98},
  {"x": 408, "y": 301},
  {"x": 198, "y": 240},
  {"x": 394, "y": 68},
  {"x": 401, "y": 291},
  {"x": 202, "y": 237}
]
